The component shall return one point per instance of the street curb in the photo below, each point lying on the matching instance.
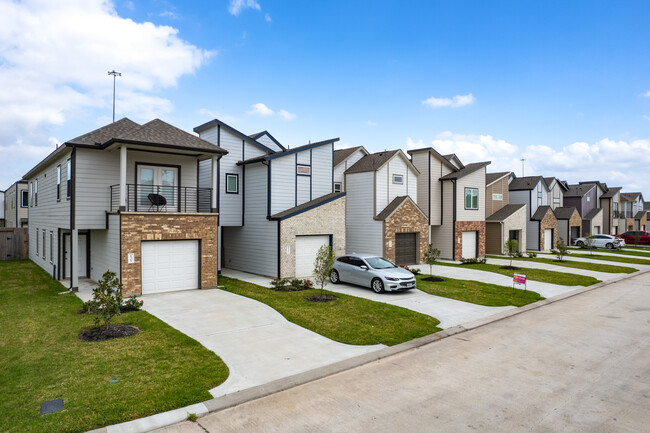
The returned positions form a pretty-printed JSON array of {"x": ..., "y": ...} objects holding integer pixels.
[{"x": 217, "y": 404}]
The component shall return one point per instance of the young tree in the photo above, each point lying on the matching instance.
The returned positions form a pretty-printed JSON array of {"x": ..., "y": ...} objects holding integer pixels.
[
  {"x": 323, "y": 266},
  {"x": 511, "y": 247},
  {"x": 431, "y": 256},
  {"x": 589, "y": 243},
  {"x": 107, "y": 299},
  {"x": 562, "y": 249}
]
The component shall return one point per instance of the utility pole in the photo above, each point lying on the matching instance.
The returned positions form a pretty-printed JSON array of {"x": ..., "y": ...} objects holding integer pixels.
[
  {"x": 114, "y": 73},
  {"x": 522, "y": 167}
]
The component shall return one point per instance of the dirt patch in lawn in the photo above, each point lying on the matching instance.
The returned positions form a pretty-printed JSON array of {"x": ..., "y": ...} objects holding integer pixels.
[
  {"x": 321, "y": 298},
  {"x": 433, "y": 279},
  {"x": 108, "y": 332},
  {"x": 510, "y": 268}
]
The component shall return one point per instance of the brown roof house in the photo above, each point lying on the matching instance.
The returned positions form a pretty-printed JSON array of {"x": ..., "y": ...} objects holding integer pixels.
[
  {"x": 452, "y": 196},
  {"x": 569, "y": 223},
  {"x": 344, "y": 159},
  {"x": 584, "y": 197},
  {"x": 632, "y": 204},
  {"x": 504, "y": 221},
  {"x": 541, "y": 224}
]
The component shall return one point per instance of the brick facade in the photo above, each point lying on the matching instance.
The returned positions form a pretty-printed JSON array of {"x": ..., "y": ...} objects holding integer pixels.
[
  {"x": 326, "y": 219},
  {"x": 406, "y": 219},
  {"x": 159, "y": 226},
  {"x": 468, "y": 226},
  {"x": 548, "y": 222},
  {"x": 574, "y": 221}
]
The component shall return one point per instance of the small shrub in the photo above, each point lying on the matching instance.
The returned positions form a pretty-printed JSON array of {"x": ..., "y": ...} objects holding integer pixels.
[
  {"x": 323, "y": 266},
  {"x": 531, "y": 255},
  {"x": 510, "y": 247},
  {"x": 279, "y": 283},
  {"x": 107, "y": 299},
  {"x": 296, "y": 283},
  {"x": 431, "y": 257},
  {"x": 414, "y": 271},
  {"x": 473, "y": 261},
  {"x": 191, "y": 417},
  {"x": 519, "y": 254},
  {"x": 131, "y": 304},
  {"x": 562, "y": 249}
]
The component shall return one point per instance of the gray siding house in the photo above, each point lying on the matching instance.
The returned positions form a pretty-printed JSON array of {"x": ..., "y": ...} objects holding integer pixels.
[
  {"x": 16, "y": 207},
  {"x": 344, "y": 159},
  {"x": 584, "y": 197},
  {"x": 633, "y": 207},
  {"x": 278, "y": 204},
  {"x": 610, "y": 203},
  {"x": 125, "y": 198},
  {"x": 541, "y": 224}
]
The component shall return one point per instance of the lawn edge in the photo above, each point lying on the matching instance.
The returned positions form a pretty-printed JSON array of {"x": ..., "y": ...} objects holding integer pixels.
[{"x": 231, "y": 400}]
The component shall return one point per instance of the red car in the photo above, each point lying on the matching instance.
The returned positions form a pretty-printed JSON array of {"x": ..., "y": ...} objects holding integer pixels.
[{"x": 631, "y": 237}]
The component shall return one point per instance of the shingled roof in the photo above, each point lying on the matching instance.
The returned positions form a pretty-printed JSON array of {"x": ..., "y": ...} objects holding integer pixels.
[
  {"x": 565, "y": 212},
  {"x": 505, "y": 212},
  {"x": 286, "y": 152},
  {"x": 468, "y": 169},
  {"x": 394, "y": 205},
  {"x": 101, "y": 135},
  {"x": 371, "y": 162},
  {"x": 579, "y": 190},
  {"x": 541, "y": 212},
  {"x": 490, "y": 178},
  {"x": 341, "y": 155},
  {"x": 611, "y": 192},
  {"x": 640, "y": 214},
  {"x": 524, "y": 183},
  {"x": 629, "y": 196},
  {"x": 307, "y": 206},
  {"x": 592, "y": 213}
]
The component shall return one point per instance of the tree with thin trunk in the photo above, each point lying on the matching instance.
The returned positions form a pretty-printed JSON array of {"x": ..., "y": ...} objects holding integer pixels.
[
  {"x": 323, "y": 266},
  {"x": 562, "y": 249},
  {"x": 431, "y": 257},
  {"x": 589, "y": 243},
  {"x": 511, "y": 246}
]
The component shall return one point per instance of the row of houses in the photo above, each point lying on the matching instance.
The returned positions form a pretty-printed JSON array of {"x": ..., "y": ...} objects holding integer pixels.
[{"x": 168, "y": 210}]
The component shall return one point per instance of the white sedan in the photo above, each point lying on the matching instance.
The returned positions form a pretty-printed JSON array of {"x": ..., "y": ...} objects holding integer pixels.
[{"x": 600, "y": 241}]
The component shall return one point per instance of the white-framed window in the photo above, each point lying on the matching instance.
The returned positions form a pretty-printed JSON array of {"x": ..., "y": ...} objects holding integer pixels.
[
  {"x": 161, "y": 180},
  {"x": 43, "y": 244},
  {"x": 471, "y": 198},
  {"x": 69, "y": 182},
  {"x": 556, "y": 200},
  {"x": 232, "y": 183},
  {"x": 303, "y": 170},
  {"x": 51, "y": 247},
  {"x": 35, "y": 192},
  {"x": 31, "y": 194},
  {"x": 58, "y": 182},
  {"x": 588, "y": 198},
  {"x": 37, "y": 244},
  {"x": 398, "y": 179},
  {"x": 498, "y": 197},
  {"x": 24, "y": 198},
  {"x": 338, "y": 187}
]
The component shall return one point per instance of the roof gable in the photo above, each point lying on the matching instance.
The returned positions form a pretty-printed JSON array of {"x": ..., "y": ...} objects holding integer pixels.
[
  {"x": 468, "y": 169},
  {"x": 216, "y": 122},
  {"x": 435, "y": 153},
  {"x": 286, "y": 152},
  {"x": 541, "y": 212},
  {"x": 565, "y": 212},
  {"x": 579, "y": 190},
  {"x": 491, "y": 178},
  {"x": 505, "y": 212},
  {"x": 526, "y": 183},
  {"x": 455, "y": 160},
  {"x": 375, "y": 161},
  {"x": 340, "y": 155},
  {"x": 265, "y": 133},
  {"x": 396, "y": 204}
]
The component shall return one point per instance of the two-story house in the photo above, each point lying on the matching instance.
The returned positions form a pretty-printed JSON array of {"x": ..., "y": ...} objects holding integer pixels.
[
  {"x": 344, "y": 159},
  {"x": 541, "y": 223},
  {"x": 452, "y": 196},
  {"x": 585, "y": 198},
  {"x": 2, "y": 208},
  {"x": 382, "y": 215},
  {"x": 610, "y": 203},
  {"x": 556, "y": 190},
  {"x": 125, "y": 198},
  {"x": 16, "y": 207},
  {"x": 634, "y": 216},
  {"x": 277, "y": 204},
  {"x": 504, "y": 221}
]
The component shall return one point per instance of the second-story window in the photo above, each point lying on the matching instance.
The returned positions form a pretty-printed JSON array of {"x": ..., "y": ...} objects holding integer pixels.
[
  {"x": 37, "y": 242},
  {"x": 24, "y": 198},
  {"x": 398, "y": 179},
  {"x": 31, "y": 194},
  {"x": 338, "y": 186},
  {"x": 303, "y": 170},
  {"x": 58, "y": 182},
  {"x": 69, "y": 185},
  {"x": 35, "y": 192},
  {"x": 471, "y": 198},
  {"x": 43, "y": 244},
  {"x": 556, "y": 201},
  {"x": 498, "y": 197},
  {"x": 232, "y": 183}
]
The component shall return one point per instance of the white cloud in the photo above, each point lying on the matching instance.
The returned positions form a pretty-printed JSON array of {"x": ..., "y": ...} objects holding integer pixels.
[
  {"x": 237, "y": 6},
  {"x": 370, "y": 123},
  {"x": 261, "y": 109},
  {"x": 646, "y": 94},
  {"x": 286, "y": 115},
  {"x": 55, "y": 57},
  {"x": 168, "y": 14},
  {"x": 455, "y": 102},
  {"x": 410, "y": 144},
  {"x": 267, "y": 17},
  {"x": 646, "y": 117}
]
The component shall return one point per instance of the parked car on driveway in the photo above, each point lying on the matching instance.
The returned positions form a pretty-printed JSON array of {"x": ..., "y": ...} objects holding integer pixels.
[
  {"x": 601, "y": 241},
  {"x": 371, "y": 271},
  {"x": 631, "y": 236}
]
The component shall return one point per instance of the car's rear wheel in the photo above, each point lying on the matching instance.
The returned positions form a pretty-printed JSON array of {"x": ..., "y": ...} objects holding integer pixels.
[
  {"x": 580, "y": 244},
  {"x": 609, "y": 246},
  {"x": 377, "y": 285},
  {"x": 334, "y": 277}
]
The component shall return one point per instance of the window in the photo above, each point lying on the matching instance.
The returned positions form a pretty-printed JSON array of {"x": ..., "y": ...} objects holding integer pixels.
[
  {"x": 43, "y": 244},
  {"x": 58, "y": 182},
  {"x": 51, "y": 247},
  {"x": 338, "y": 186},
  {"x": 398, "y": 179},
  {"x": 37, "y": 242},
  {"x": 31, "y": 196},
  {"x": 157, "y": 180},
  {"x": 556, "y": 200},
  {"x": 232, "y": 184},
  {"x": 471, "y": 198},
  {"x": 24, "y": 198},
  {"x": 303, "y": 170},
  {"x": 35, "y": 192},
  {"x": 69, "y": 183},
  {"x": 615, "y": 209},
  {"x": 497, "y": 197}
]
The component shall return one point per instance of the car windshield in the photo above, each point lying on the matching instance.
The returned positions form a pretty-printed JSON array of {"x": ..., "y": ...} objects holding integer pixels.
[{"x": 379, "y": 263}]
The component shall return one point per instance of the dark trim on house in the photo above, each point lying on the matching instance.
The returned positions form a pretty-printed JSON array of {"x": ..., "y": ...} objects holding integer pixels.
[
  {"x": 232, "y": 130},
  {"x": 243, "y": 191},
  {"x": 178, "y": 184},
  {"x": 87, "y": 254},
  {"x": 59, "y": 251},
  {"x": 310, "y": 173},
  {"x": 73, "y": 199},
  {"x": 150, "y": 144},
  {"x": 295, "y": 181},
  {"x": 119, "y": 224},
  {"x": 303, "y": 165},
  {"x": 237, "y": 176},
  {"x": 465, "y": 193},
  {"x": 453, "y": 229},
  {"x": 268, "y": 190},
  {"x": 429, "y": 189},
  {"x": 308, "y": 208},
  {"x": 279, "y": 250},
  {"x": 287, "y": 152},
  {"x": 333, "y": 171},
  {"x": 135, "y": 149},
  {"x": 218, "y": 186},
  {"x": 263, "y": 133}
]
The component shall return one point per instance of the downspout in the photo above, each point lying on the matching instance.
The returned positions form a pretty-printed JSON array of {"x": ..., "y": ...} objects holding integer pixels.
[
  {"x": 73, "y": 166},
  {"x": 453, "y": 227}
]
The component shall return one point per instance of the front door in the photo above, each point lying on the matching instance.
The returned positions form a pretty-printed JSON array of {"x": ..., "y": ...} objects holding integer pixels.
[
  {"x": 548, "y": 239},
  {"x": 469, "y": 246},
  {"x": 82, "y": 262},
  {"x": 157, "y": 180}
]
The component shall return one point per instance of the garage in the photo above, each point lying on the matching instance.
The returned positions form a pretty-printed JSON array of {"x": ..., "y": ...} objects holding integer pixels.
[
  {"x": 306, "y": 251},
  {"x": 469, "y": 245},
  {"x": 548, "y": 239},
  {"x": 406, "y": 248},
  {"x": 169, "y": 265}
]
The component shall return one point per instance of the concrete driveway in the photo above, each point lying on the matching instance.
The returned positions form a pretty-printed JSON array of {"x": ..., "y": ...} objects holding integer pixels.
[{"x": 257, "y": 343}]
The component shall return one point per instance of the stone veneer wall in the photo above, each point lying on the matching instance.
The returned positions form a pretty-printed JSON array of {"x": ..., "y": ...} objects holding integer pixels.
[
  {"x": 548, "y": 222},
  {"x": 325, "y": 219},
  {"x": 406, "y": 219},
  {"x": 468, "y": 226},
  {"x": 158, "y": 226},
  {"x": 574, "y": 221}
]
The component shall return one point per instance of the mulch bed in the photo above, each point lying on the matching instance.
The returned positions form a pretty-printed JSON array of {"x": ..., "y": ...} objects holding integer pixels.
[
  {"x": 510, "y": 268},
  {"x": 433, "y": 279},
  {"x": 289, "y": 289},
  {"x": 321, "y": 298},
  {"x": 108, "y": 332}
]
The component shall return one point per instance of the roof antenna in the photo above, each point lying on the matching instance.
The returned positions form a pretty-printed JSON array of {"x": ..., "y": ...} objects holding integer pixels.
[
  {"x": 522, "y": 167},
  {"x": 114, "y": 73}
]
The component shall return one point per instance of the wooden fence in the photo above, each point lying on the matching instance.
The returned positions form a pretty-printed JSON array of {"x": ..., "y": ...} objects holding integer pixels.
[{"x": 14, "y": 243}]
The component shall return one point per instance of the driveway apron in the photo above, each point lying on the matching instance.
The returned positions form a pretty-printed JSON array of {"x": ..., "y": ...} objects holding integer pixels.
[{"x": 256, "y": 342}]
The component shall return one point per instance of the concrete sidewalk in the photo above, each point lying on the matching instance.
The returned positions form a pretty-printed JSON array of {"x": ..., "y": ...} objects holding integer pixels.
[
  {"x": 602, "y": 276},
  {"x": 597, "y": 261}
]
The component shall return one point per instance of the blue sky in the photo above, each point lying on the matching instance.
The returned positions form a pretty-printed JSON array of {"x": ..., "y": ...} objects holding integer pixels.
[{"x": 565, "y": 85}]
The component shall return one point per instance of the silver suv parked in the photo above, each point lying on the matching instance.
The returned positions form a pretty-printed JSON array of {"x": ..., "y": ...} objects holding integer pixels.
[{"x": 371, "y": 271}]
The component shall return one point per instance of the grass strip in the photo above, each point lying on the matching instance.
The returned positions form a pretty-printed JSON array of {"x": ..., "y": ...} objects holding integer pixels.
[
  {"x": 157, "y": 370},
  {"x": 617, "y": 259},
  {"x": 612, "y": 269},
  {"x": 348, "y": 319}
]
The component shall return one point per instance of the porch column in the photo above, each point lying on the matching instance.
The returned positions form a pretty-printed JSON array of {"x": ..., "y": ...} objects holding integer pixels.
[
  {"x": 123, "y": 191},
  {"x": 74, "y": 260},
  {"x": 215, "y": 184}
]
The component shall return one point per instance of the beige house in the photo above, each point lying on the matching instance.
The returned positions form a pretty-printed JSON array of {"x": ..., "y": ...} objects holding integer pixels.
[
  {"x": 504, "y": 221},
  {"x": 16, "y": 205}
]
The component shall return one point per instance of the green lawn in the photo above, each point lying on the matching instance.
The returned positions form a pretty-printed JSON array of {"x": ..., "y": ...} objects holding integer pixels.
[
  {"x": 612, "y": 269},
  {"x": 621, "y": 259},
  {"x": 608, "y": 251},
  {"x": 42, "y": 359},
  {"x": 475, "y": 292},
  {"x": 349, "y": 319},
  {"x": 542, "y": 275}
]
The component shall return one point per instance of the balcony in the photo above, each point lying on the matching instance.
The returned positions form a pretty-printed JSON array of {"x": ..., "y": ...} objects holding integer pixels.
[{"x": 160, "y": 198}]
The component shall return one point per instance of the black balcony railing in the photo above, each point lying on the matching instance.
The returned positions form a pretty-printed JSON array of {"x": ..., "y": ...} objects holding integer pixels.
[{"x": 160, "y": 198}]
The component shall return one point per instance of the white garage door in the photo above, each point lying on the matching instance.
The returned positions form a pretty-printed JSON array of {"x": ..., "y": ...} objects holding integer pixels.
[
  {"x": 469, "y": 245},
  {"x": 169, "y": 265},
  {"x": 548, "y": 239},
  {"x": 306, "y": 250}
]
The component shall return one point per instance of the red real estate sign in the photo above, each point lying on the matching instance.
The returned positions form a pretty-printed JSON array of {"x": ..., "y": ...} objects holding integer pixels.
[{"x": 519, "y": 279}]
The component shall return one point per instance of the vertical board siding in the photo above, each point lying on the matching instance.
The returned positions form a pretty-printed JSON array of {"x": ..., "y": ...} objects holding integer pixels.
[
  {"x": 230, "y": 205},
  {"x": 105, "y": 249},
  {"x": 473, "y": 180},
  {"x": 421, "y": 161},
  {"x": 363, "y": 233},
  {"x": 532, "y": 235},
  {"x": 303, "y": 190},
  {"x": 266, "y": 141},
  {"x": 283, "y": 183},
  {"x": 321, "y": 170},
  {"x": 381, "y": 181},
  {"x": 96, "y": 171},
  {"x": 442, "y": 235}
]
